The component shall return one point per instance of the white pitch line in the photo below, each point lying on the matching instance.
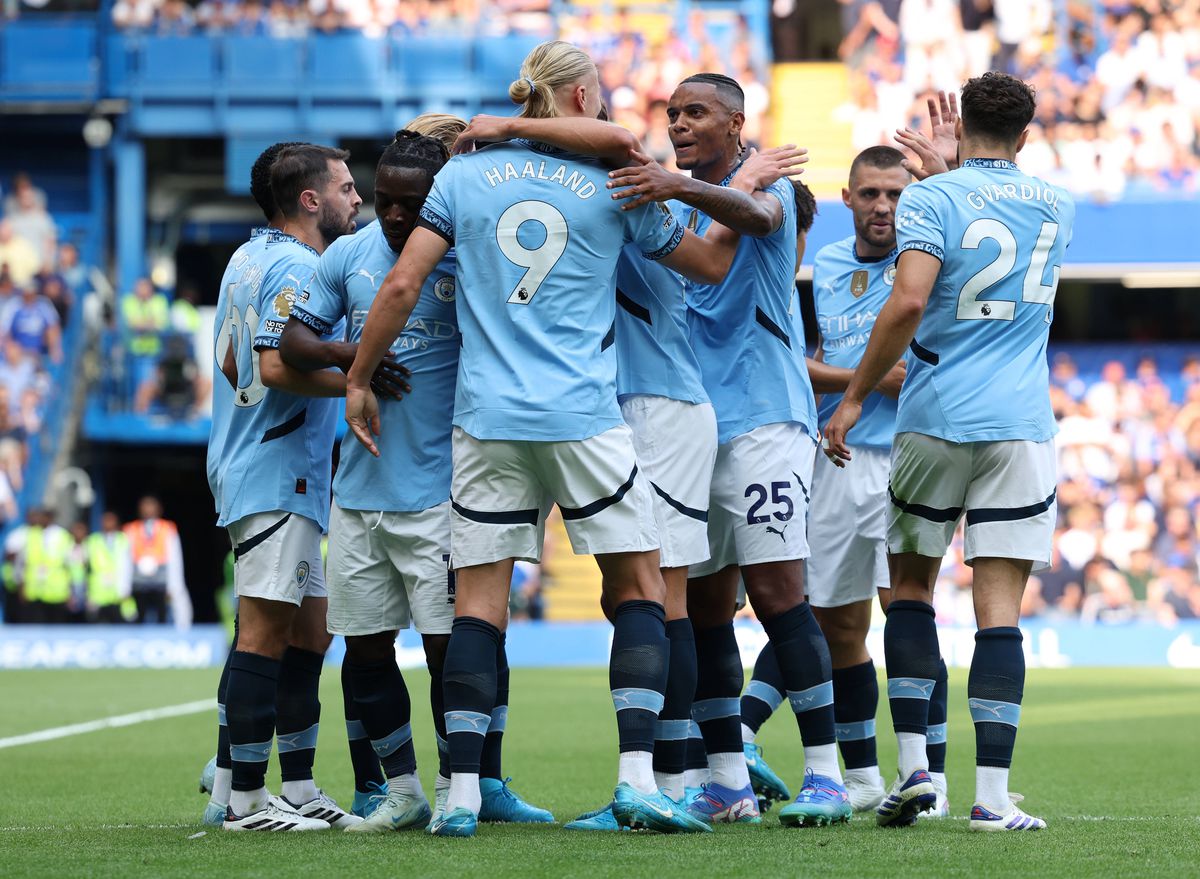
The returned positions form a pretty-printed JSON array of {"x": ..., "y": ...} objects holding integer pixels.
[{"x": 76, "y": 729}]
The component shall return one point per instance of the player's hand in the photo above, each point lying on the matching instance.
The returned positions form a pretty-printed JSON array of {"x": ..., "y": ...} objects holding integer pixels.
[
  {"x": 931, "y": 161},
  {"x": 834, "y": 443},
  {"x": 388, "y": 380},
  {"x": 761, "y": 169},
  {"x": 893, "y": 381},
  {"x": 362, "y": 414},
  {"x": 482, "y": 129},
  {"x": 943, "y": 121},
  {"x": 647, "y": 182}
]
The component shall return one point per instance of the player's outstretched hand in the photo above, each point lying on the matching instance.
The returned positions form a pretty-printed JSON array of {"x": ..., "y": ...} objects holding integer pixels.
[
  {"x": 647, "y": 181},
  {"x": 893, "y": 381},
  {"x": 761, "y": 169},
  {"x": 834, "y": 443},
  {"x": 482, "y": 129},
  {"x": 931, "y": 161},
  {"x": 389, "y": 377},
  {"x": 362, "y": 414},
  {"x": 943, "y": 121}
]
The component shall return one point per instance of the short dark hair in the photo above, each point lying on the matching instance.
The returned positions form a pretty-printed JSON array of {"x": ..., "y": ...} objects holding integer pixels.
[
  {"x": 260, "y": 177},
  {"x": 299, "y": 168},
  {"x": 997, "y": 107},
  {"x": 726, "y": 87},
  {"x": 882, "y": 157},
  {"x": 411, "y": 150},
  {"x": 806, "y": 206}
]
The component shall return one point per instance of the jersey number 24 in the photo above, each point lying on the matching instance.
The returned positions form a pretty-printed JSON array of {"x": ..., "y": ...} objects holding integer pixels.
[{"x": 1032, "y": 290}]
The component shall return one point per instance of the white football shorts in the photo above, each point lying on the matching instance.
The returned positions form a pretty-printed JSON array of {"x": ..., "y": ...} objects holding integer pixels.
[
  {"x": 847, "y": 529},
  {"x": 676, "y": 445},
  {"x": 277, "y": 557},
  {"x": 760, "y": 498},
  {"x": 388, "y": 570},
  {"x": 502, "y": 490},
  {"x": 1007, "y": 491}
]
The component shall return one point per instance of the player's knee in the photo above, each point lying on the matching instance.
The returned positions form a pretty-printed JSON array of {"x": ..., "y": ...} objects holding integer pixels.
[
  {"x": 370, "y": 649},
  {"x": 435, "y": 652}
]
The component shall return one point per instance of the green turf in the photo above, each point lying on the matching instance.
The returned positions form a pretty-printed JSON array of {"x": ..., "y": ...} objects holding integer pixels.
[{"x": 1108, "y": 757}]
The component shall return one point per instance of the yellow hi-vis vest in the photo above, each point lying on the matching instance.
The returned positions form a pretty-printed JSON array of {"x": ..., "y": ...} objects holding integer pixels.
[
  {"x": 103, "y": 567},
  {"x": 48, "y": 566}
]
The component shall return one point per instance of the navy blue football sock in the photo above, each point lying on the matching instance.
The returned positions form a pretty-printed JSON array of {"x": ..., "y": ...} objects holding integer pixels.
[
  {"x": 675, "y": 719},
  {"x": 386, "y": 711},
  {"x": 490, "y": 765},
  {"x": 223, "y": 760},
  {"x": 362, "y": 756},
  {"x": 637, "y": 672},
  {"x": 994, "y": 690},
  {"x": 298, "y": 707},
  {"x": 803, "y": 656},
  {"x": 855, "y": 698},
  {"x": 910, "y": 647},
  {"x": 470, "y": 690},
  {"x": 437, "y": 704},
  {"x": 717, "y": 707},
  {"x": 765, "y": 692},
  {"x": 935, "y": 738},
  {"x": 250, "y": 710},
  {"x": 695, "y": 756}
]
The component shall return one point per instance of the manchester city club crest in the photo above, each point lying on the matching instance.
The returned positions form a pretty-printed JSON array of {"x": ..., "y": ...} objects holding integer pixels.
[
  {"x": 444, "y": 289},
  {"x": 302, "y": 570},
  {"x": 889, "y": 275}
]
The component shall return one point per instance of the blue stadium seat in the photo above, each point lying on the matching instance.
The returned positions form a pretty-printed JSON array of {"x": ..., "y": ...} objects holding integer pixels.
[
  {"x": 49, "y": 59},
  {"x": 436, "y": 68},
  {"x": 176, "y": 66},
  {"x": 498, "y": 61},
  {"x": 264, "y": 66},
  {"x": 347, "y": 65}
]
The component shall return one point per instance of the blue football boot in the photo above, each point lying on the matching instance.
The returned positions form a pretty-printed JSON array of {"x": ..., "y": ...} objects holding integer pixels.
[
  {"x": 365, "y": 804},
  {"x": 457, "y": 822},
  {"x": 599, "y": 820},
  {"x": 821, "y": 801},
  {"x": 208, "y": 776},
  {"x": 717, "y": 804},
  {"x": 500, "y": 805},
  {"x": 655, "y": 811},
  {"x": 769, "y": 786}
]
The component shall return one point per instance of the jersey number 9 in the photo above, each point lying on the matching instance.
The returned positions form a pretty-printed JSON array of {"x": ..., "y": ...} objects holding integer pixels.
[{"x": 537, "y": 261}]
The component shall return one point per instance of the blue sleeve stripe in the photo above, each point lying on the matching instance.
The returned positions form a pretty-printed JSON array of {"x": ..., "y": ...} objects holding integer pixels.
[
  {"x": 668, "y": 248},
  {"x": 304, "y": 740},
  {"x": 992, "y": 711},
  {"x": 436, "y": 223},
  {"x": 625, "y": 698},
  {"x": 910, "y": 688},
  {"x": 252, "y": 752},
  {"x": 764, "y": 692},
  {"x": 266, "y": 342},
  {"x": 311, "y": 321},
  {"x": 672, "y": 730},
  {"x": 855, "y": 732},
  {"x": 704, "y": 710},
  {"x": 925, "y": 247},
  {"x": 467, "y": 722},
  {"x": 812, "y": 698},
  {"x": 393, "y": 741}
]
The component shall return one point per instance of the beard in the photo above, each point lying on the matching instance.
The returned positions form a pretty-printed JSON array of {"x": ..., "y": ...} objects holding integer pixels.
[{"x": 333, "y": 226}]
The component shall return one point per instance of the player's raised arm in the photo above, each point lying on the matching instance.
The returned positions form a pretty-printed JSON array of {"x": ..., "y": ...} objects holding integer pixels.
[
  {"x": 586, "y": 137},
  {"x": 389, "y": 313}
]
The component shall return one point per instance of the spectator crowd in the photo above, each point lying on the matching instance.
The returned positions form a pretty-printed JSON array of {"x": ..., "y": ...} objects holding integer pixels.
[
  {"x": 1127, "y": 546},
  {"x": 1118, "y": 81},
  {"x": 39, "y": 281}
]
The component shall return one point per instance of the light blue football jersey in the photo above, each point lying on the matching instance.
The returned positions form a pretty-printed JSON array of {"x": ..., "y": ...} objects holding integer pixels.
[
  {"x": 537, "y": 239},
  {"x": 848, "y": 293},
  {"x": 653, "y": 353},
  {"x": 268, "y": 449},
  {"x": 413, "y": 470},
  {"x": 977, "y": 367},
  {"x": 747, "y": 332}
]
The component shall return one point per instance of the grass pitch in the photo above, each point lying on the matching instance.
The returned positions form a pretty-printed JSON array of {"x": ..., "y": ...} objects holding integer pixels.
[{"x": 1108, "y": 757}]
